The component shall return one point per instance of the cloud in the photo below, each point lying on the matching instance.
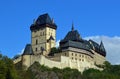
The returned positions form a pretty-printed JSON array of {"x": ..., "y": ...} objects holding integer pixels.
[
  {"x": 57, "y": 43},
  {"x": 21, "y": 52},
  {"x": 112, "y": 45}
]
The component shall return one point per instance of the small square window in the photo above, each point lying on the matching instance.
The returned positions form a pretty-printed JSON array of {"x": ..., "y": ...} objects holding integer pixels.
[
  {"x": 75, "y": 54},
  {"x": 82, "y": 55},
  {"x": 72, "y": 58},
  {"x": 72, "y": 54},
  {"x": 82, "y": 59}
]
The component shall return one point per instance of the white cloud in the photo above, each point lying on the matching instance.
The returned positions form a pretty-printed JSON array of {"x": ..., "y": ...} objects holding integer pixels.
[
  {"x": 112, "y": 45},
  {"x": 57, "y": 43},
  {"x": 21, "y": 52}
]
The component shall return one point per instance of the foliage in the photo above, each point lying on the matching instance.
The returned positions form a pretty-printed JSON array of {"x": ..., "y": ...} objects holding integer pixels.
[
  {"x": 36, "y": 71},
  {"x": 54, "y": 50},
  {"x": 7, "y": 69},
  {"x": 66, "y": 73},
  {"x": 109, "y": 72}
]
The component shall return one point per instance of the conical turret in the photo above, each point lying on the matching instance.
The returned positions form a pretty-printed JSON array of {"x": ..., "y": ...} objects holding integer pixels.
[{"x": 102, "y": 49}]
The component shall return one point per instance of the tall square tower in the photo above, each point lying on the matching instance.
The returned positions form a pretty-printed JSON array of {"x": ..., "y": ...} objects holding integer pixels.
[{"x": 43, "y": 34}]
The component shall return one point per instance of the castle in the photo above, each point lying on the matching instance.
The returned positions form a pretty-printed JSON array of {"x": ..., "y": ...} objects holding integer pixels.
[{"x": 75, "y": 52}]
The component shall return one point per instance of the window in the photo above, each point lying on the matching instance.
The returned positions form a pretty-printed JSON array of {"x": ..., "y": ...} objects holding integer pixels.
[
  {"x": 36, "y": 41},
  {"x": 79, "y": 59},
  {"x": 75, "y": 54},
  {"x": 79, "y": 55},
  {"x": 36, "y": 49},
  {"x": 82, "y": 59},
  {"x": 75, "y": 58},
  {"x": 65, "y": 54},
  {"x": 72, "y": 58},
  {"x": 82, "y": 55},
  {"x": 72, "y": 54}
]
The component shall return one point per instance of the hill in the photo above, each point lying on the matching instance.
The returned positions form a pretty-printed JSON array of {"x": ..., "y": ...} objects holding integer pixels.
[{"x": 36, "y": 71}]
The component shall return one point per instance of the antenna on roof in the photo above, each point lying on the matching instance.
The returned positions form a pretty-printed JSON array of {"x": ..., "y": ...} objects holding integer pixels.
[
  {"x": 72, "y": 27},
  {"x": 52, "y": 21},
  {"x": 34, "y": 21}
]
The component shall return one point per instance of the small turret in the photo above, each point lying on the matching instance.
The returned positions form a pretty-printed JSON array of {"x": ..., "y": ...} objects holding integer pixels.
[{"x": 102, "y": 49}]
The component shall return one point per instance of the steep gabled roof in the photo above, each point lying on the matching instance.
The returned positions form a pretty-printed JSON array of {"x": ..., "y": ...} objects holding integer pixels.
[
  {"x": 98, "y": 48},
  {"x": 72, "y": 35},
  {"x": 102, "y": 49},
  {"x": 51, "y": 38},
  {"x": 95, "y": 45},
  {"x": 28, "y": 50},
  {"x": 43, "y": 21}
]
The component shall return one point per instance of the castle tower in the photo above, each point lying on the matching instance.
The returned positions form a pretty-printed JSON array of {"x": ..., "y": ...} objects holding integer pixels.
[{"x": 43, "y": 34}]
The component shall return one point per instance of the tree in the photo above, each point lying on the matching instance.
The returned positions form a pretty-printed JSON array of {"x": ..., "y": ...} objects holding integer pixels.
[
  {"x": 7, "y": 69},
  {"x": 54, "y": 50}
]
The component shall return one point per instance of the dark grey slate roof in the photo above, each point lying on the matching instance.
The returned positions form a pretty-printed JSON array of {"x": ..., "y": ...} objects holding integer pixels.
[
  {"x": 95, "y": 45},
  {"x": 75, "y": 44},
  {"x": 98, "y": 48},
  {"x": 42, "y": 21},
  {"x": 51, "y": 38},
  {"x": 73, "y": 36},
  {"x": 102, "y": 49},
  {"x": 28, "y": 50},
  {"x": 73, "y": 39}
]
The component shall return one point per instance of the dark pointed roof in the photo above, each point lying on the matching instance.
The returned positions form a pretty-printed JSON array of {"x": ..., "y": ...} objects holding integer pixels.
[
  {"x": 43, "y": 21},
  {"x": 102, "y": 49},
  {"x": 51, "y": 38},
  {"x": 28, "y": 50},
  {"x": 72, "y": 35},
  {"x": 98, "y": 48},
  {"x": 94, "y": 45},
  {"x": 73, "y": 39}
]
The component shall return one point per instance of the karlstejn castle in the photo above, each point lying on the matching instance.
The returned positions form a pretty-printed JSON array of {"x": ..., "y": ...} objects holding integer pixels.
[{"x": 75, "y": 52}]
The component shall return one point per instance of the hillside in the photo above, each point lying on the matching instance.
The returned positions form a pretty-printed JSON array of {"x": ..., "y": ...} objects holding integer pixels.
[{"x": 36, "y": 71}]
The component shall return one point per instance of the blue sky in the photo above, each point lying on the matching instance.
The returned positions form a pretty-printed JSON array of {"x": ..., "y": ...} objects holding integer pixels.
[{"x": 92, "y": 18}]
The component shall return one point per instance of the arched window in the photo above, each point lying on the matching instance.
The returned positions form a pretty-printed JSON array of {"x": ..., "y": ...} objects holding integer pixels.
[
  {"x": 36, "y": 41},
  {"x": 36, "y": 49}
]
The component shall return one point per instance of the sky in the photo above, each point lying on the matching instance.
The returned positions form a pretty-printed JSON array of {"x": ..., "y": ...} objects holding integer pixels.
[{"x": 94, "y": 19}]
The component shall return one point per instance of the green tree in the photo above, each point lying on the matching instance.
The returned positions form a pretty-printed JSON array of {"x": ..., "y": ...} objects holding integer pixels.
[
  {"x": 7, "y": 69},
  {"x": 54, "y": 50}
]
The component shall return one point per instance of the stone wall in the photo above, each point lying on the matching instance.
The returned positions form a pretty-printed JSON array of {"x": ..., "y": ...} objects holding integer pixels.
[
  {"x": 65, "y": 62},
  {"x": 40, "y": 39}
]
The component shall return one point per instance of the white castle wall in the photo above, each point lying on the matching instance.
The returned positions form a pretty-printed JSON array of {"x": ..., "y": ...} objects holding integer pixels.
[
  {"x": 65, "y": 59},
  {"x": 65, "y": 62}
]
